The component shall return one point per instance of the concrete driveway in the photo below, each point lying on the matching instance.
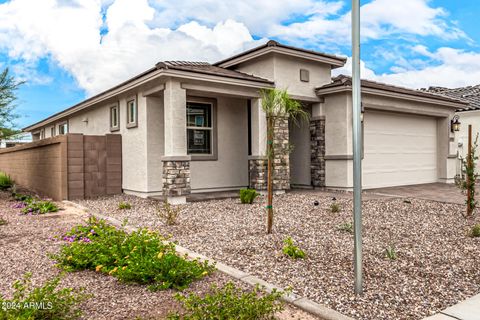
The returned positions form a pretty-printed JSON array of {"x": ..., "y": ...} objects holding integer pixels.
[{"x": 448, "y": 193}]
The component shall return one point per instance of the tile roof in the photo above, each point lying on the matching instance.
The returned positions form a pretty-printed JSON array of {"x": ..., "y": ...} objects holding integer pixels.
[
  {"x": 207, "y": 68},
  {"x": 470, "y": 94},
  {"x": 273, "y": 43},
  {"x": 346, "y": 81}
]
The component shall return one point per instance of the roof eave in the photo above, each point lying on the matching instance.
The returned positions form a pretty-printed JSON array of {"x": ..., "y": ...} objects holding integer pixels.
[
  {"x": 392, "y": 94},
  {"x": 138, "y": 81}
]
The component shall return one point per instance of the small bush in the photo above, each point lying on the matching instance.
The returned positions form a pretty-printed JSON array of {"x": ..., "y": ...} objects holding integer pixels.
[
  {"x": 335, "y": 207},
  {"x": 391, "y": 253},
  {"x": 142, "y": 256},
  {"x": 45, "y": 302},
  {"x": 39, "y": 206},
  {"x": 124, "y": 206},
  {"x": 247, "y": 196},
  {"x": 346, "y": 227},
  {"x": 3, "y": 222},
  {"x": 168, "y": 213},
  {"x": 229, "y": 302},
  {"x": 22, "y": 197},
  {"x": 5, "y": 181},
  {"x": 291, "y": 250},
  {"x": 475, "y": 230}
]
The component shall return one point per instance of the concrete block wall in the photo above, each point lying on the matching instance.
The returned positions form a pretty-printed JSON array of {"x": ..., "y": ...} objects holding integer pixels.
[{"x": 70, "y": 166}]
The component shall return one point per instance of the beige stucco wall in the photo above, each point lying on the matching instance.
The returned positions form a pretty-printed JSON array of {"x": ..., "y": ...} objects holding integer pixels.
[
  {"x": 285, "y": 72},
  {"x": 466, "y": 118},
  {"x": 230, "y": 171}
]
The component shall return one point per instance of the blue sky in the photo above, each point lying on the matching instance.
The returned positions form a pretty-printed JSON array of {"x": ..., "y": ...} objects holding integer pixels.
[{"x": 69, "y": 50}]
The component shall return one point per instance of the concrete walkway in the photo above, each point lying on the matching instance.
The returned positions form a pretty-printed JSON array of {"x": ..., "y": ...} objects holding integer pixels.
[
  {"x": 466, "y": 310},
  {"x": 442, "y": 192}
]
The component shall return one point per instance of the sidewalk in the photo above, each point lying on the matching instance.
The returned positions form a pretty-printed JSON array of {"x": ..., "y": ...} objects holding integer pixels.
[{"x": 466, "y": 310}]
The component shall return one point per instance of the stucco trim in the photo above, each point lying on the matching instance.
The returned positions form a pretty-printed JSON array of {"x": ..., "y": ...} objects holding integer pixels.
[
  {"x": 339, "y": 157},
  {"x": 110, "y": 108},
  {"x": 452, "y": 156},
  {"x": 437, "y": 113},
  {"x": 175, "y": 158},
  {"x": 327, "y": 91},
  {"x": 133, "y": 124},
  {"x": 317, "y": 118},
  {"x": 257, "y": 157}
]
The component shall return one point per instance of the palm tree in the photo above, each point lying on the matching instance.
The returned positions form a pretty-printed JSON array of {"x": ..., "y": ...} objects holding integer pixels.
[{"x": 278, "y": 106}]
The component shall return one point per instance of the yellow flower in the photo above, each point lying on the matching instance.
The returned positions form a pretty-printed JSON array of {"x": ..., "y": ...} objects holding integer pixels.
[
  {"x": 160, "y": 255},
  {"x": 113, "y": 270},
  {"x": 204, "y": 273},
  {"x": 69, "y": 258},
  {"x": 124, "y": 268},
  {"x": 98, "y": 268},
  {"x": 127, "y": 257}
]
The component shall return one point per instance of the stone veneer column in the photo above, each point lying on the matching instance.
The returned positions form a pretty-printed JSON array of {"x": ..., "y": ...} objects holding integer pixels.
[
  {"x": 176, "y": 177},
  {"x": 317, "y": 145},
  {"x": 176, "y": 162},
  {"x": 281, "y": 163}
]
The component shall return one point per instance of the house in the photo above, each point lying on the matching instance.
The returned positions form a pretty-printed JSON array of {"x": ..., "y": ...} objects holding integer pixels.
[
  {"x": 469, "y": 115},
  {"x": 15, "y": 140},
  {"x": 191, "y": 127}
]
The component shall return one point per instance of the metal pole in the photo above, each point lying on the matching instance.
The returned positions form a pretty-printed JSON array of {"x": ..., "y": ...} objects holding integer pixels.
[{"x": 357, "y": 147}]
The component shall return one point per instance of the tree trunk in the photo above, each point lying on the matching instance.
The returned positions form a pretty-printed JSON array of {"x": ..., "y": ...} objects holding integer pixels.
[
  {"x": 270, "y": 155},
  {"x": 469, "y": 165}
]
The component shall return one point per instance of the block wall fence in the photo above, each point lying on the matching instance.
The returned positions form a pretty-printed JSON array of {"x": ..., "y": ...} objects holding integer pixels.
[{"x": 67, "y": 167}]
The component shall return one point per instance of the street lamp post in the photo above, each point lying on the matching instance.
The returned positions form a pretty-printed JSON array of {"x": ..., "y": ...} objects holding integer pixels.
[{"x": 357, "y": 147}]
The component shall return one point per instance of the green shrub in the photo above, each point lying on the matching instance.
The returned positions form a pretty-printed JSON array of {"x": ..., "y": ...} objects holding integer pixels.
[
  {"x": 23, "y": 197},
  {"x": 168, "y": 213},
  {"x": 475, "y": 230},
  {"x": 124, "y": 206},
  {"x": 335, "y": 207},
  {"x": 291, "y": 250},
  {"x": 39, "y": 206},
  {"x": 229, "y": 302},
  {"x": 45, "y": 302},
  {"x": 3, "y": 222},
  {"x": 5, "y": 181},
  {"x": 142, "y": 256},
  {"x": 346, "y": 227},
  {"x": 391, "y": 253},
  {"x": 247, "y": 196}
]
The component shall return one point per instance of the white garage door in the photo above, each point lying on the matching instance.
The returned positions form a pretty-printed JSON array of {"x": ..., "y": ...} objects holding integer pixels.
[{"x": 399, "y": 150}]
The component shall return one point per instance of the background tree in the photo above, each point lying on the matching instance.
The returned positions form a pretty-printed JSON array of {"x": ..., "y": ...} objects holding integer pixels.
[
  {"x": 278, "y": 106},
  {"x": 8, "y": 88}
]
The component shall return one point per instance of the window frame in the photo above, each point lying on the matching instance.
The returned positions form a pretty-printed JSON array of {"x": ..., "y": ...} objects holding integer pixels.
[
  {"x": 42, "y": 134},
  {"x": 132, "y": 124},
  {"x": 60, "y": 125},
  {"x": 117, "y": 126},
  {"x": 213, "y": 155},
  {"x": 52, "y": 131}
]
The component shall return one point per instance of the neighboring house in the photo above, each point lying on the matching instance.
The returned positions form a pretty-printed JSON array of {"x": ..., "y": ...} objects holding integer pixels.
[
  {"x": 469, "y": 115},
  {"x": 196, "y": 127},
  {"x": 15, "y": 140}
]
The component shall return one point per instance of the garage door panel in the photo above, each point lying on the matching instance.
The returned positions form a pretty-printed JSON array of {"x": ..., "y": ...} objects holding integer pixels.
[{"x": 399, "y": 150}]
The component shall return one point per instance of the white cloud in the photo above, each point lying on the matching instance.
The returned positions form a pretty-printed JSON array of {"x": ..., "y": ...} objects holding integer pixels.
[
  {"x": 449, "y": 67},
  {"x": 70, "y": 34},
  {"x": 379, "y": 19}
]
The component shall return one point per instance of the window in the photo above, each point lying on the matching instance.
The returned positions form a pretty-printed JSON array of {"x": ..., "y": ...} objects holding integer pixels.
[
  {"x": 132, "y": 113},
  {"x": 42, "y": 134},
  {"x": 52, "y": 131},
  {"x": 199, "y": 128},
  {"x": 304, "y": 75},
  {"x": 63, "y": 128},
  {"x": 114, "y": 118}
]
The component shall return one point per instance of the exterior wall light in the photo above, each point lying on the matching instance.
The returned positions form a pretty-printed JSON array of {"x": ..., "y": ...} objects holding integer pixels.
[
  {"x": 455, "y": 124},
  {"x": 362, "y": 113}
]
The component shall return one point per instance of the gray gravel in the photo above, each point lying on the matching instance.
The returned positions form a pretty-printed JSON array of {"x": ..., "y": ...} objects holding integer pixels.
[
  {"x": 26, "y": 240},
  {"x": 437, "y": 265}
]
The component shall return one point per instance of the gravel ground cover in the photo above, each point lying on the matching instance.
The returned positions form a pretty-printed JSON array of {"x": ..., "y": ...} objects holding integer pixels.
[
  {"x": 26, "y": 240},
  {"x": 437, "y": 266}
]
